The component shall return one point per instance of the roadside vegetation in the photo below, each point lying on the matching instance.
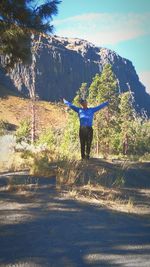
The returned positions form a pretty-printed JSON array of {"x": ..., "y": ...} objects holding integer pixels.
[
  {"x": 120, "y": 133},
  {"x": 120, "y": 150}
]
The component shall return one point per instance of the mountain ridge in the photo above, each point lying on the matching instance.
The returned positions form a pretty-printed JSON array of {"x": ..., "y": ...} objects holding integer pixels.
[{"x": 62, "y": 64}]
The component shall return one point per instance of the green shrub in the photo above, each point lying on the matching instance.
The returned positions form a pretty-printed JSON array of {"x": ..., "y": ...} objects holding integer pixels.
[
  {"x": 47, "y": 139},
  {"x": 23, "y": 131},
  {"x": 40, "y": 164}
]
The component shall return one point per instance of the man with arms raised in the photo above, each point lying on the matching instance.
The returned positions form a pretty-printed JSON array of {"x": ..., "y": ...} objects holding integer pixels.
[{"x": 86, "y": 116}]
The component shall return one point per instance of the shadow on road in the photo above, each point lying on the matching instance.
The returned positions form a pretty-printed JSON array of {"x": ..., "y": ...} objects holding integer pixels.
[{"x": 42, "y": 228}]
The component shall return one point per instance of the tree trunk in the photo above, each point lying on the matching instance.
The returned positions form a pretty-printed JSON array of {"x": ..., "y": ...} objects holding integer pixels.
[
  {"x": 36, "y": 45},
  {"x": 33, "y": 121}
]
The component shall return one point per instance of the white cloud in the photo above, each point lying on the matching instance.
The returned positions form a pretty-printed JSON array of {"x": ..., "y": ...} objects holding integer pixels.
[
  {"x": 145, "y": 79},
  {"x": 104, "y": 28}
]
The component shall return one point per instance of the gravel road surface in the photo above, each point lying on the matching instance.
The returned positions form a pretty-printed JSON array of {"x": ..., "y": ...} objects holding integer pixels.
[{"x": 40, "y": 227}]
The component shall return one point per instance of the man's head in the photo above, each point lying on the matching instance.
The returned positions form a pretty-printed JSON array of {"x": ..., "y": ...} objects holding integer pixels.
[{"x": 83, "y": 103}]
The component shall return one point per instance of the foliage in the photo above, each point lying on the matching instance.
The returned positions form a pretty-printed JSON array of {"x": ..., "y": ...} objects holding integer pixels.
[
  {"x": 104, "y": 87},
  {"x": 126, "y": 116},
  {"x": 18, "y": 20},
  {"x": 23, "y": 132},
  {"x": 140, "y": 144},
  {"x": 69, "y": 147},
  {"x": 40, "y": 164},
  {"x": 81, "y": 93},
  {"x": 118, "y": 129},
  {"x": 40, "y": 154},
  {"x": 47, "y": 139}
]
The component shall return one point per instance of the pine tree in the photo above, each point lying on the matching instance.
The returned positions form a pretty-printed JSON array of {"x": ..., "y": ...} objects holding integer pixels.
[
  {"x": 127, "y": 118},
  {"x": 18, "y": 20},
  {"x": 81, "y": 93},
  {"x": 93, "y": 89},
  {"x": 105, "y": 88}
]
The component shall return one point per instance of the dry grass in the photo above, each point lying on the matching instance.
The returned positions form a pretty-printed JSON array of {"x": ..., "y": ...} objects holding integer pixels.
[
  {"x": 95, "y": 171},
  {"x": 99, "y": 195},
  {"x": 104, "y": 183},
  {"x": 14, "y": 108},
  {"x": 14, "y": 162}
]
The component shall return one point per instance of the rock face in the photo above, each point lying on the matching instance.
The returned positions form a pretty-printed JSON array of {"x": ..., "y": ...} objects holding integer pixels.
[{"x": 62, "y": 64}]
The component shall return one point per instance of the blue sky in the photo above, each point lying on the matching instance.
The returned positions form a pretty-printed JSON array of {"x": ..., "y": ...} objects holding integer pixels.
[{"x": 121, "y": 25}]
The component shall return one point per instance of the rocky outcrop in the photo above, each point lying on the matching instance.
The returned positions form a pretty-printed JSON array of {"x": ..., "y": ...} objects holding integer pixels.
[{"x": 62, "y": 64}]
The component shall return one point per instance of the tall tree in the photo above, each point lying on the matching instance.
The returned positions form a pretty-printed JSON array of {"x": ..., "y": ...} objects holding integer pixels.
[
  {"x": 32, "y": 87},
  {"x": 127, "y": 117},
  {"x": 81, "y": 93},
  {"x": 18, "y": 20},
  {"x": 134, "y": 129},
  {"x": 105, "y": 88}
]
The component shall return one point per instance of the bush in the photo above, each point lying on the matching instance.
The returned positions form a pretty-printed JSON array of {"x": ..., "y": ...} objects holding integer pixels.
[
  {"x": 69, "y": 147},
  {"x": 40, "y": 164},
  {"x": 23, "y": 131},
  {"x": 47, "y": 139}
]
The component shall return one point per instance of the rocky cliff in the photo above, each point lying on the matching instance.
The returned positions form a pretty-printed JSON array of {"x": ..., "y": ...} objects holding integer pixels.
[{"x": 62, "y": 64}]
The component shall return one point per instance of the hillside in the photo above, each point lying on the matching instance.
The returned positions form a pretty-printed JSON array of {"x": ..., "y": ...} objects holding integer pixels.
[
  {"x": 14, "y": 108},
  {"x": 63, "y": 64}
]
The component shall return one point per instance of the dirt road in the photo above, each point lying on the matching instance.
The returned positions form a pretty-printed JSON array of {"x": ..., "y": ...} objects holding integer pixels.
[{"x": 43, "y": 228}]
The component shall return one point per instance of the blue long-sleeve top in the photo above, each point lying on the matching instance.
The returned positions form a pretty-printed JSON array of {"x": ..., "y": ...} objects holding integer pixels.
[{"x": 86, "y": 115}]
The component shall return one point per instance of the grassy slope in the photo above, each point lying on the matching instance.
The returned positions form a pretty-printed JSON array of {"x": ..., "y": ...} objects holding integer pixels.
[{"x": 14, "y": 108}]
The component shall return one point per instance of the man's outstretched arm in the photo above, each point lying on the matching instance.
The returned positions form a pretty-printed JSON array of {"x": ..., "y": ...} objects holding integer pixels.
[
  {"x": 70, "y": 105},
  {"x": 104, "y": 104}
]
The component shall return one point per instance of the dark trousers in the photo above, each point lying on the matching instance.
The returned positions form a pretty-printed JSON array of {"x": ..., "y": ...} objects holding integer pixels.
[{"x": 86, "y": 136}]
